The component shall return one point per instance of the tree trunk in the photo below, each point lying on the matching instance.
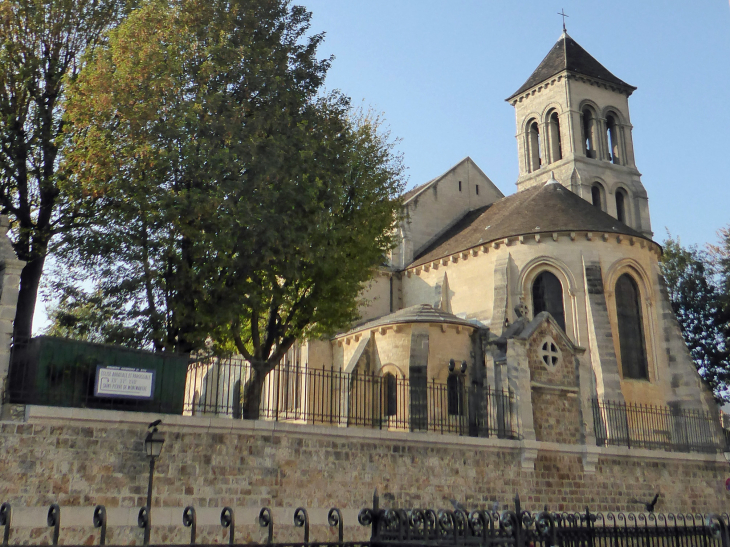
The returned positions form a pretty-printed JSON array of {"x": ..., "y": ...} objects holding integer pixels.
[
  {"x": 252, "y": 394},
  {"x": 30, "y": 278}
]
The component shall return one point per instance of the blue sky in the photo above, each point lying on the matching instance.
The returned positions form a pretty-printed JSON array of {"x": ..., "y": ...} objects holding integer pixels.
[{"x": 439, "y": 72}]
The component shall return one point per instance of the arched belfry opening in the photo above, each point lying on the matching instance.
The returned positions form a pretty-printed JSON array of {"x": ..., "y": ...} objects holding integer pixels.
[
  {"x": 612, "y": 139},
  {"x": 556, "y": 149},
  {"x": 590, "y": 139},
  {"x": 533, "y": 146}
]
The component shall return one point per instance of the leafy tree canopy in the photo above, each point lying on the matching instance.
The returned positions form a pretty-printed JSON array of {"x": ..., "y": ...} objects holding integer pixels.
[
  {"x": 41, "y": 43},
  {"x": 697, "y": 300},
  {"x": 232, "y": 198}
]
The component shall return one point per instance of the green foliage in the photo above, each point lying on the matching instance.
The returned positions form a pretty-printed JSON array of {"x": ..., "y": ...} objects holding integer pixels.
[
  {"x": 92, "y": 318},
  {"x": 231, "y": 198},
  {"x": 41, "y": 42},
  {"x": 697, "y": 301}
]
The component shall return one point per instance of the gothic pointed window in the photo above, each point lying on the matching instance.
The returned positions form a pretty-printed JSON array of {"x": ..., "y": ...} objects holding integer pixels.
[
  {"x": 533, "y": 146},
  {"x": 547, "y": 295},
  {"x": 391, "y": 394},
  {"x": 630, "y": 329}
]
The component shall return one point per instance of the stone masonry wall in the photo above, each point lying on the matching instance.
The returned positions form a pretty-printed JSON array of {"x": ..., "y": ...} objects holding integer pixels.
[{"x": 80, "y": 458}]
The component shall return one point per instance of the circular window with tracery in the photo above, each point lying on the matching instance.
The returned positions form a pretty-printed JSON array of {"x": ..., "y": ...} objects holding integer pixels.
[{"x": 550, "y": 353}]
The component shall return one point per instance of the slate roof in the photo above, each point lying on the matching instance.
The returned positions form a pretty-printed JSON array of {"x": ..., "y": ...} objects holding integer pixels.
[
  {"x": 546, "y": 208},
  {"x": 567, "y": 54},
  {"x": 420, "y": 313}
]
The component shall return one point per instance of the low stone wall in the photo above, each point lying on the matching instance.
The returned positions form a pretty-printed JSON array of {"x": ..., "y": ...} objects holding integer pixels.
[{"x": 80, "y": 458}]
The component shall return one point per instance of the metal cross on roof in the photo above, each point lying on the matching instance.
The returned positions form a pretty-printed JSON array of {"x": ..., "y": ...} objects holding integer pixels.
[{"x": 562, "y": 13}]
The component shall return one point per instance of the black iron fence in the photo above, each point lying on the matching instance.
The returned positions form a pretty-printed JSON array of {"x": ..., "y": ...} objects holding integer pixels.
[
  {"x": 331, "y": 397},
  {"x": 655, "y": 427},
  {"x": 520, "y": 528},
  {"x": 513, "y": 527}
]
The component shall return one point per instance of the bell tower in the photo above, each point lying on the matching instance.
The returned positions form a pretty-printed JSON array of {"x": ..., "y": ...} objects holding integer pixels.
[{"x": 573, "y": 120}]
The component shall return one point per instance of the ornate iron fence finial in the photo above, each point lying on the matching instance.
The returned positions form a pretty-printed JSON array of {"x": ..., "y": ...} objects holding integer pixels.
[
  {"x": 189, "y": 520},
  {"x": 228, "y": 520},
  {"x": 266, "y": 520},
  {"x": 301, "y": 518}
]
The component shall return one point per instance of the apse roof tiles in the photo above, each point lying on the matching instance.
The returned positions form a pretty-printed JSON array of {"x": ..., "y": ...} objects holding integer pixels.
[{"x": 546, "y": 208}]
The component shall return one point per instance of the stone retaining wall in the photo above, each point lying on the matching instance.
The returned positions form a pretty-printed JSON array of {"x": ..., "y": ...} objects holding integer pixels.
[{"x": 80, "y": 458}]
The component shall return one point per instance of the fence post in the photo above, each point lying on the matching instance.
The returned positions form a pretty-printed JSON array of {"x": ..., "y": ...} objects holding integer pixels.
[
  {"x": 99, "y": 520},
  {"x": 54, "y": 519},
  {"x": 518, "y": 522},
  {"x": 334, "y": 518},
  {"x": 589, "y": 526},
  {"x": 301, "y": 518},
  {"x": 5, "y": 518},
  {"x": 189, "y": 520}
]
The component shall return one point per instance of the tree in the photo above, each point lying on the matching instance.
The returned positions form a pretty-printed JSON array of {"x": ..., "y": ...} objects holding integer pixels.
[
  {"x": 41, "y": 42},
  {"x": 232, "y": 198},
  {"x": 697, "y": 303},
  {"x": 92, "y": 318}
]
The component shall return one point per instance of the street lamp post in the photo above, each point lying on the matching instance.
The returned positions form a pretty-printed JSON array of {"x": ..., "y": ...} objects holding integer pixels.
[{"x": 153, "y": 447}]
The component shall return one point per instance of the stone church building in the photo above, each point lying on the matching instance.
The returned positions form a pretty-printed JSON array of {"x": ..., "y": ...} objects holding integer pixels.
[{"x": 553, "y": 293}]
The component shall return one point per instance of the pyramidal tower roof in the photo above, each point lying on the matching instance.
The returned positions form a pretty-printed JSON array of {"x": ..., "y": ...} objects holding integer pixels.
[{"x": 567, "y": 54}]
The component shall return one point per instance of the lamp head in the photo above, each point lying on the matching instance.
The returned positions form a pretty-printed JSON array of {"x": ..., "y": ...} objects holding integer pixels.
[{"x": 153, "y": 443}]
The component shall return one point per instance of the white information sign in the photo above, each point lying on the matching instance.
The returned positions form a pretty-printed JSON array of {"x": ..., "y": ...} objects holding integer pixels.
[{"x": 124, "y": 382}]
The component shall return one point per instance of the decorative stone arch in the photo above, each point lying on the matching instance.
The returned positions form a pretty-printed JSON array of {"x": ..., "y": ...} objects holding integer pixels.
[
  {"x": 532, "y": 116},
  {"x": 395, "y": 370},
  {"x": 647, "y": 302},
  {"x": 608, "y": 110},
  {"x": 549, "y": 108},
  {"x": 560, "y": 269}
]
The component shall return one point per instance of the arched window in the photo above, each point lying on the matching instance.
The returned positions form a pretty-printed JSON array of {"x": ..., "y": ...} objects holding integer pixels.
[
  {"x": 621, "y": 206},
  {"x": 589, "y": 133},
  {"x": 630, "y": 329},
  {"x": 455, "y": 395},
  {"x": 533, "y": 146},
  {"x": 556, "y": 152},
  {"x": 391, "y": 394},
  {"x": 612, "y": 139},
  {"x": 547, "y": 295},
  {"x": 596, "y": 196}
]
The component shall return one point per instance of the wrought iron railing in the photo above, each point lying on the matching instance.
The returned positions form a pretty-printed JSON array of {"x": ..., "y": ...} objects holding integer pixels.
[
  {"x": 656, "y": 427},
  {"x": 331, "y": 397},
  {"x": 511, "y": 527}
]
